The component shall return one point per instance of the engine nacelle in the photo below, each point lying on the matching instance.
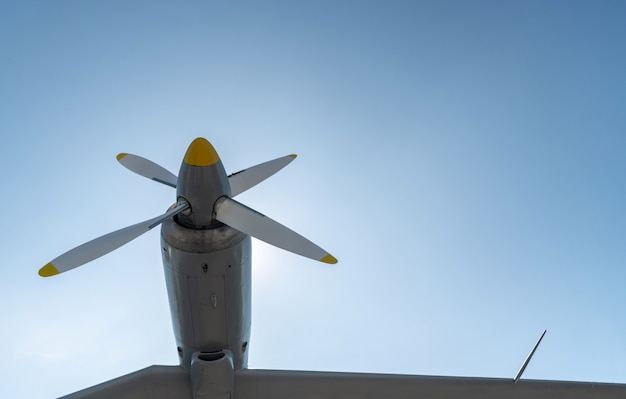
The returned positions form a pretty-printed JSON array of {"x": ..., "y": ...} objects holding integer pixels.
[{"x": 212, "y": 375}]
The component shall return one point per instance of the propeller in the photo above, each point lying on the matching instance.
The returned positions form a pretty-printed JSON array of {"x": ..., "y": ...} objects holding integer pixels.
[
  {"x": 200, "y": 162},
  {"x": 251, "y": 222},
  {"x": 147, "y": 168},
  {"x": 239, "y": 181},
  {"x": 103, "y": 245},
  {"x": 247, "y": 178}
]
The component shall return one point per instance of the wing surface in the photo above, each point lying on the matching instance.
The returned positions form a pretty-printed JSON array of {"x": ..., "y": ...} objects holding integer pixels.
[
  {"x": 154, "y": 382},
  {"x": 275, "y": 384}
]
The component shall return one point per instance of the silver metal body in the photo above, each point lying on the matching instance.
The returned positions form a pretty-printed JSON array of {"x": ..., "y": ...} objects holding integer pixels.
[
  {"x": 207, "y": 273},
  {"x": 208, "y": 276}
]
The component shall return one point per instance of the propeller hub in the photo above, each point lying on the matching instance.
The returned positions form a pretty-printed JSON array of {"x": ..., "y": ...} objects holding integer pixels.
[
  {"x": 201, "y": 153},
  {"x": 201, "y": 181}
]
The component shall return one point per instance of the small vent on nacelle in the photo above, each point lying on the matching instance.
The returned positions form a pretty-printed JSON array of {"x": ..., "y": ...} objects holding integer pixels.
[{"x": 211, "y": 356}]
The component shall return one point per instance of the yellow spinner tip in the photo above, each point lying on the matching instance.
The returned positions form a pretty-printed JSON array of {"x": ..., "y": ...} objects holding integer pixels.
[
  {"x": 48, "y": 270},
  {"x": 329, "y": 259},
  {"x": 121, "y": 155},
  {"x": 201, "y": 153}
]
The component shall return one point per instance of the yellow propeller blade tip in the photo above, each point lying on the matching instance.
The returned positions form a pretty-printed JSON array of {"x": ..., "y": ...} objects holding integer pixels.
[
  {"x": 329, "y": 259},
  {"x": 201, "y": 153},
  {"x": 293, "y": 155},
  {"x": 48, "y": 270},
  {"x": 121, "y": 155}
]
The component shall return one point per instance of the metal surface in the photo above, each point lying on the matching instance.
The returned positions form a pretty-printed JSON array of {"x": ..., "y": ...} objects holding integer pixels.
[
  {"x": 212, "y": 375},
  {"x": 104, "y": 244},
  {"x": 169, "y": 382},
  {"x": 276, "y": 384},
  {"x": 247, "y": 178},
  {"x": 260, "y": 226},
  {"x": 154, "y": 382},
  {"x": 207, "y": 274},
  {"x": 201, "y": 186},
  {"x": 146, "y": 168}
]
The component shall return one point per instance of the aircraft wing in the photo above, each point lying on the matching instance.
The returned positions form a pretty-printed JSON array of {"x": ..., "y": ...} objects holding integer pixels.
[
  {"x": 274, "y": 384},
  {"x": 154, "y": 382},
  {"x": 173, "y": 382}
]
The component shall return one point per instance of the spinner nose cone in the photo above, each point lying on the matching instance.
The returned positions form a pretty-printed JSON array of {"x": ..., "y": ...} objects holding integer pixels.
[{"x": 201, "y": 153}]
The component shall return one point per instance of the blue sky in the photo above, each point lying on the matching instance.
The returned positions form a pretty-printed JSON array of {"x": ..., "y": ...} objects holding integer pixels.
[{"x": 462, "y": 160}]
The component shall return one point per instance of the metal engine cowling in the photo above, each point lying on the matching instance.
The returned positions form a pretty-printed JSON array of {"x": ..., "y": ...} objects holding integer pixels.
[{"x": 212, "y": 375}]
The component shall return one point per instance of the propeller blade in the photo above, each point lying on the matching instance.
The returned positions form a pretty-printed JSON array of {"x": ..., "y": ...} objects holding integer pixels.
[
  {"x": 251, "y": 222},
  {"x": 103, "y": 245},
  {"x": 147, "y": 168},
  {"x": 247, "y": 178}
]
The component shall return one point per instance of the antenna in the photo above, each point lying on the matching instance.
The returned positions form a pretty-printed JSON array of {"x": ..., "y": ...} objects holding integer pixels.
[{"x": 530, "y": 355}]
